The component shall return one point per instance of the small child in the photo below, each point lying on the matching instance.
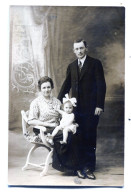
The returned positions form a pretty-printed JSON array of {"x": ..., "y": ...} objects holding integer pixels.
[{"x": 67, "y": 122}]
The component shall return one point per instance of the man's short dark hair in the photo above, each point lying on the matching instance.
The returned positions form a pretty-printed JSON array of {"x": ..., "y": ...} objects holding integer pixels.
[
  {"x": 44, "y": 80},
  {"x": 81, "y": 40}
]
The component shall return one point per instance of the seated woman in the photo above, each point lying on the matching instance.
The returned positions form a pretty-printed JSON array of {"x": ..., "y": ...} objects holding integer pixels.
[
  {"x": 42, "y": 113},
  {"x": 44, "y": 116}
]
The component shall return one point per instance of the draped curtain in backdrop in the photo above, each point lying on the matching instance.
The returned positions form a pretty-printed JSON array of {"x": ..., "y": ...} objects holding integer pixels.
[{"x": 35, "y": 34}]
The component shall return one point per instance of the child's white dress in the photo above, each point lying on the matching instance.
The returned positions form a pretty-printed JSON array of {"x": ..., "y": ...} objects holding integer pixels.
[{"x": 65, "y": 122}]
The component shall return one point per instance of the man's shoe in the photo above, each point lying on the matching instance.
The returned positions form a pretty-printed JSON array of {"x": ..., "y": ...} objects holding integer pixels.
[
  {"x": 89, "y": 174},
  {"x": 81, "y": 175}
]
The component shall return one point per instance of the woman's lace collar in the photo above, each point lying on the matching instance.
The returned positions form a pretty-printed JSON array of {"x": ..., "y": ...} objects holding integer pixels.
[{"x": 41, "y": 97}]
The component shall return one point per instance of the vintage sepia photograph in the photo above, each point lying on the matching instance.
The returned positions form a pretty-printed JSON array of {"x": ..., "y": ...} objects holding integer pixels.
[{"x": 66, "y": 96}]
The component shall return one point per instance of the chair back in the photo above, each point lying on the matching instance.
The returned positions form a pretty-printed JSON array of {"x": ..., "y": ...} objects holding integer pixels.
[
  {"x": 24, "y": 121},
  {"x": 28, "y": 135}
]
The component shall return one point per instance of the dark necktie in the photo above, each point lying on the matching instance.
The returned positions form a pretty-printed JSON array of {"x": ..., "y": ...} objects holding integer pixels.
[{"x": 80, "y": 65}]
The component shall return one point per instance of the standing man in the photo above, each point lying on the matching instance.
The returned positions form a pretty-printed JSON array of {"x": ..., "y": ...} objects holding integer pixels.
[{"x": 85, "y": 78}]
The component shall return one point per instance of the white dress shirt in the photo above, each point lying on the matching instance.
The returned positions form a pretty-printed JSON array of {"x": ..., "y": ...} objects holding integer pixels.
[{"x": 82, "y": 60}]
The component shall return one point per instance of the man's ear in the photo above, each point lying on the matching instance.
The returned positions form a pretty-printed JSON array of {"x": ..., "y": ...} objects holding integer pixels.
[{"x": 86, "y": 49}]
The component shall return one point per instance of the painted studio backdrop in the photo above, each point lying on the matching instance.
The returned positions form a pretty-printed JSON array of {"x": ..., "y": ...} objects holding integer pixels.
[{"x": 41, "y": 43}]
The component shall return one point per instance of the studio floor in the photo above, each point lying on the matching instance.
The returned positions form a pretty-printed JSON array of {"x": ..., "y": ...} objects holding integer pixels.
[{"x": 109, "y": 167}]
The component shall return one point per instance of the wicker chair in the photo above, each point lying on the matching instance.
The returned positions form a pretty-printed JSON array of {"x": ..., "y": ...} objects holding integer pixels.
[{"x": 37, "y": 142}]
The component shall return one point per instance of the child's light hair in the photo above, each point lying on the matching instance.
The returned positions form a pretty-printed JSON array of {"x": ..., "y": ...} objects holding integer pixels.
[{"x": 71, "y": 100}]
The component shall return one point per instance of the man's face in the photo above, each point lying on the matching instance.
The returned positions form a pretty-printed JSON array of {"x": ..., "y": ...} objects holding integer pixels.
[{"x": 80, "y": 50}]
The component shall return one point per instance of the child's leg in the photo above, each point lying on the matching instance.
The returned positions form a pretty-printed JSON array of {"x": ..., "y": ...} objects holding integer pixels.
[
  {"x": 65, "y": 135},
  {"x": 55, "y": 131},
  {"x": 49, "y": 138}
]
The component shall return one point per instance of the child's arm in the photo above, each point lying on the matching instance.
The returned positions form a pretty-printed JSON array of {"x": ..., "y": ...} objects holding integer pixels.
[{"x": 60, "y": 111}]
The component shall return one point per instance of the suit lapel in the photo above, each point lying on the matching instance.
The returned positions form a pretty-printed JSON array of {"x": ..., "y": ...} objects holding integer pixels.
[
  {"x": 84, "y": 69},
  {"x": 75, "y": 70}
]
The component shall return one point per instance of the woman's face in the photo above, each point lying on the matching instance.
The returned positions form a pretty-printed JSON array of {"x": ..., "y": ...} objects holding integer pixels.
[{"x": 46, "y": 89}]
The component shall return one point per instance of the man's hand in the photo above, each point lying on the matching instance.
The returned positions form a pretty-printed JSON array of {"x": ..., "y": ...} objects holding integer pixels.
[{"x": 98, "y": 111}]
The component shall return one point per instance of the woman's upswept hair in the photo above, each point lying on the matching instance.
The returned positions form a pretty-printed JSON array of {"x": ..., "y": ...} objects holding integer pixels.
[{"x": 44, "y": 80}]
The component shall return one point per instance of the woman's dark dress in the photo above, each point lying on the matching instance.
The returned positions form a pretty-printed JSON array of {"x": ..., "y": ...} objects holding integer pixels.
[{"x": 67, "y": 157}]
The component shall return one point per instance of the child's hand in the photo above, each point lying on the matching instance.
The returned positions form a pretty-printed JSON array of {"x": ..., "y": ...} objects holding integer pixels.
[
  {"x": 77, "y": 125},
  {"x": 57, "y": 110}
]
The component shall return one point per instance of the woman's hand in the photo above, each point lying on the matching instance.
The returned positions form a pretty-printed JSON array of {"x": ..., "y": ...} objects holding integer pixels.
[
  {"x": 49, "y": 124},
  {"x": 51, "y": 120}
]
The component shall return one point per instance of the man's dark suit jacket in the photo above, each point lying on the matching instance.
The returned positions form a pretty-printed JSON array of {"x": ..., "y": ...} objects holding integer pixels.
[{"x": 88, "y": 87}]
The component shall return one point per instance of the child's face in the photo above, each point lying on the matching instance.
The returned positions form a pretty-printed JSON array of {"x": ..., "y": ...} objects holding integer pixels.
[{"x": 68, "y": 108}]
